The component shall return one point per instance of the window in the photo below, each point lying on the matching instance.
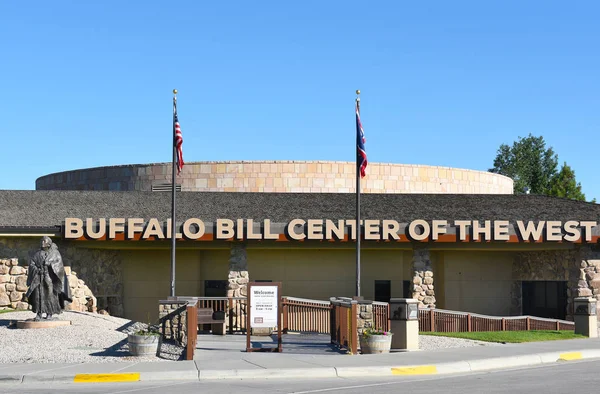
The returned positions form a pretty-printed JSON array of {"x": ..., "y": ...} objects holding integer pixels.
[
  {"x": 165, "y": 187},
  {"x": 215, "y": 288},
  {"x": 545, "y": 299},
  {"x": 406, "y": 289},
  {"x": 383, "y": 290}
]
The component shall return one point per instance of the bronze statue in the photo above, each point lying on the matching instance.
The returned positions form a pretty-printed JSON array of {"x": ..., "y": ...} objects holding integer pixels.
[{"x": 48, "y": 285}]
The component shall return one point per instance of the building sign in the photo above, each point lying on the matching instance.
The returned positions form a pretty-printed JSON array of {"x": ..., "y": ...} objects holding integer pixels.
[
  {"x": 334, "y": 230},
  {"x": 264, "y": 312},
  {"x": 264, "y": 302}
]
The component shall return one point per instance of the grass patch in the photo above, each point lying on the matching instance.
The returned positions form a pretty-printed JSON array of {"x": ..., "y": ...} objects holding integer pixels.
[
  {"x": 7, "y": 310},
  {"x": 510, "y": 336}
]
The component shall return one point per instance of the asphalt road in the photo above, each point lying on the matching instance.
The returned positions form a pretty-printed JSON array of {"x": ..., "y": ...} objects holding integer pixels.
[{"x": 580, "y": 377}]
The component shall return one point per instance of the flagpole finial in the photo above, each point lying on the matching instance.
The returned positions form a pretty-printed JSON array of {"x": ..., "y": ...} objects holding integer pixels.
[
  {"x": 174, "y": 91},
  {"x": 357, "y": 95}
]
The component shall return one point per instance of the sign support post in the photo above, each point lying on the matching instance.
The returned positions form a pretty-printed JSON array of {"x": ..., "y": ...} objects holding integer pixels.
[{"x": 263, "y": 311}]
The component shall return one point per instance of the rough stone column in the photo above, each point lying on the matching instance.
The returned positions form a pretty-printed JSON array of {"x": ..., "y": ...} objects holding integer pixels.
[
  {"x": 238, "y": 281},
  {"x": 584, "y": 277},
  {"x": 422, "y": 282}
]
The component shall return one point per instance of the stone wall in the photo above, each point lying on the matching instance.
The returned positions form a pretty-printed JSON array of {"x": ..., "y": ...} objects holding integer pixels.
[
  {"x": 13, "y": 286},
  {"x": 100, "y": 269},
  {"x": 552, "y": 265},
  {"x": 282, "y": 176},
  {"x": 544, "y": 265},
  {"x": 579, "y": 267},
  {"x": 364, "y": 316},
  {"x": 422, "y": 281},
  {"x": 173, "y": 318}
]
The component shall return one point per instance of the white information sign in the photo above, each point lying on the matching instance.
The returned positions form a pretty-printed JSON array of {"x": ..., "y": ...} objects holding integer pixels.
[{"x": 263, "y": 306}]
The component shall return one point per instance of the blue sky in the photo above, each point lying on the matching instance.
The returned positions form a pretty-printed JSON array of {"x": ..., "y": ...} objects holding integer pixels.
[{"x": 89, "y": 84}]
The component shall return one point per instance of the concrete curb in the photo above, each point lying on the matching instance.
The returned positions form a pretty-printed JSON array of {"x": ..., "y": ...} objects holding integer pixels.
[
  {"x": 169, "y": 375},
  {"x": 488, "y": 364},
  {"x": 273, "y": 373},
  {"x": 448, "y": 368}
]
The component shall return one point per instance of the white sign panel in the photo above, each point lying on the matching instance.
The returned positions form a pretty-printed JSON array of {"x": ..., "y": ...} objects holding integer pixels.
[{"x": 263, "y": 306}]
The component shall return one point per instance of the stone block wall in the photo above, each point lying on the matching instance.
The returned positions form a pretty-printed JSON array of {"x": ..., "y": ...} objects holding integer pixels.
[
  {"x": 282, "y": 176},
  {"x": 547, "y": 265},
  {"x": 364, "y": 312},
  {"x": 100, "y": 269},
  {"x": 83, "y": 297},
  {"x": 364, "y": 316},
  {"x": 173, "y": 317},
  {"x": 13, "y": 286},
  {"x": 579, "y": 267}
]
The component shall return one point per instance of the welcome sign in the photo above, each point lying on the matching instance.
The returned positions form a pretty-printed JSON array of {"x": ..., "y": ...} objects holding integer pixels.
[{"x": 333, "y": 230}]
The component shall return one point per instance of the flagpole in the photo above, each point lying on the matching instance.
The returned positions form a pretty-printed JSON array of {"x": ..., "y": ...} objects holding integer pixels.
[
  {"x": 173, "y": 185},
  {"x": 358, "y": 227}
]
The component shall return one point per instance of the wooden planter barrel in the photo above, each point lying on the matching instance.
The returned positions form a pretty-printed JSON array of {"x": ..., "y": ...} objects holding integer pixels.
[
  {"x": 375, "y": 344},
  {"x": 143, "y": 345}
]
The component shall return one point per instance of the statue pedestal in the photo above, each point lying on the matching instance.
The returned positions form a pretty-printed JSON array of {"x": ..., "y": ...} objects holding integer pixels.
[{"x": 26, "y": 324}]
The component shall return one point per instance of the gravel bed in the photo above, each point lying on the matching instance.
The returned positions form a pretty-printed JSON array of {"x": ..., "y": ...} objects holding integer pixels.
[
  {"x": 100, "y": 338},
  {"x": 431, "y": 342},
  {"x": 91, "y": 338}
]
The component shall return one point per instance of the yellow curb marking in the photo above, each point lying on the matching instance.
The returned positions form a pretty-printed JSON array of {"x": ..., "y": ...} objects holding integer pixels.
[
  {"x": 419, "y": 370},
  {"x": 106, "y": 377},
  {"x": 570, "y": 356}
]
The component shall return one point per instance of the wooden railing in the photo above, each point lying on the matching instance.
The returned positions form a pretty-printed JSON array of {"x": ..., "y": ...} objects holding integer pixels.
[
  {"x": 304, "y": 315},
  {"x": 344, "y": 325},
  {"x": 234, "y": 308},
  {"x": 381, "y": 316},
  {"x": 191, "y": 330},
  {"x": 441, "y": 320},
  {"x": 322, "y": 317}
]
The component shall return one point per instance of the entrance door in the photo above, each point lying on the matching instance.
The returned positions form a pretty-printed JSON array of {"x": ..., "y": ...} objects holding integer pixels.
[
  {"x": 383, "y": 290},
  {"x": 545, "y": 299}
]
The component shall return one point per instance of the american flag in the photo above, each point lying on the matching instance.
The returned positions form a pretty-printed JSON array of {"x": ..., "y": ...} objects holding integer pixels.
[
  {"x": 361, "y": 153},
  {"x": 178, "y": 139}
]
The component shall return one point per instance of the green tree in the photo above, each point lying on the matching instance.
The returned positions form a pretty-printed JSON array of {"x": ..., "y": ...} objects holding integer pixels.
[
  {"x": 529, "y": 163},
  {"x": 565, "y": 185}
]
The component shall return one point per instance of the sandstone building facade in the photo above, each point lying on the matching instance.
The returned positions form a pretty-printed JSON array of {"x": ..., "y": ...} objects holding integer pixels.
[
  {"x": 280, "y": 177},
  {"x": 129, "y": 275}
]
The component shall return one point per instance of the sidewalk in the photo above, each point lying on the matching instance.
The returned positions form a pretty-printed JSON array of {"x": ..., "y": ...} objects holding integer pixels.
[{"x": 228, "y": 362}]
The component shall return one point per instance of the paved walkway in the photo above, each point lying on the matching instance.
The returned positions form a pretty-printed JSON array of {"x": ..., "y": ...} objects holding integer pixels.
[
  {"x": 316, "y": 344},
  {"x": 223, "y": 358}
]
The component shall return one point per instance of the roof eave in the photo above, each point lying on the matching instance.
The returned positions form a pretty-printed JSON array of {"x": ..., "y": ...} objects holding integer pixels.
[{"x": 29, "y": 231}]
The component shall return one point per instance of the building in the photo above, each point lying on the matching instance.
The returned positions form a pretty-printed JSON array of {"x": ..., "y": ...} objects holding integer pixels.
[
  {"x": 515, "y": 254},
  {"x": 280, "y": 177}
]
